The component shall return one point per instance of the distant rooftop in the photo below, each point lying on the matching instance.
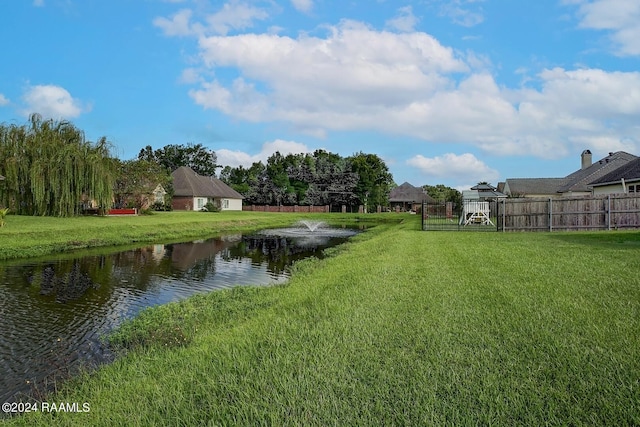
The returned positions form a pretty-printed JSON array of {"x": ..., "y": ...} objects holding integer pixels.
[
  {"x": 628, "y": 172},
  {"x": 578, "y": 181},
  {"x": 407, "y": 193}
]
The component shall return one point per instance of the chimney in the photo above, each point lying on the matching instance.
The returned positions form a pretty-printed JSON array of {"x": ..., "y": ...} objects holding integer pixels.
[{"x": 586, "y": 159}]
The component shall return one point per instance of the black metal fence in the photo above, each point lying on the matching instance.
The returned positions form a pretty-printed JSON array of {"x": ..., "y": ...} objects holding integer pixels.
[{"x": 471, "y": 215}]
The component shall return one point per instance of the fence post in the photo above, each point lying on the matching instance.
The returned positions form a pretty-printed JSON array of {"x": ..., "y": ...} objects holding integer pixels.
[
  {"x": 608, "y": 212},
  {"x": 504, "y": 215},
  {"x": 550, "y": 214}
]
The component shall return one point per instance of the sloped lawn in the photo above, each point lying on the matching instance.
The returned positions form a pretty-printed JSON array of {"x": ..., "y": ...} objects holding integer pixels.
[{"x": 399, "y": 327}]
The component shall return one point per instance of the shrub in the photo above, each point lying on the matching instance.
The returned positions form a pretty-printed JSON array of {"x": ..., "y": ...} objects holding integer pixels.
[
  {"x": 160, "y": 207},
  {"x": 3, "y": 214},
  {"x": 210, "y": 207}
]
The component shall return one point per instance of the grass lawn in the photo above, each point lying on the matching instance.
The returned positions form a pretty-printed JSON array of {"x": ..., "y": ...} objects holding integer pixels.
[
  {"x": 28, "y": 236},
  {"x": 399, "y": 327}
]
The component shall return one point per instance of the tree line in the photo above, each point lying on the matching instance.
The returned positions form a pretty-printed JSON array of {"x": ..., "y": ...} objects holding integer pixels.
[
  {"x": 318, "y": 178},
  {"x": 50, "y": 169}
]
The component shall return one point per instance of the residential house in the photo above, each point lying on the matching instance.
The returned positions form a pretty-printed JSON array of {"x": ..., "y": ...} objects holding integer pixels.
[
  {"x": 574, "y": 184},
  {"x": 193, "y": 192},
  {"x": 533, "y": 187},
  {"x": 406, "y": 197},
  {"x": 158, "y": 195},
  {"x": 625, "y": 179}
]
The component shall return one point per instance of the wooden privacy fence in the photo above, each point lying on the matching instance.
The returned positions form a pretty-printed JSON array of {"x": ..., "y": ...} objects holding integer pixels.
[
  {"x": 307, "y": 209},
  {"x": 603, "y": 212}
]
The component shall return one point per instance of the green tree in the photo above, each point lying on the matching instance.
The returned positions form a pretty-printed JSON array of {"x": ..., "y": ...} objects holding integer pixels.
[
  {"x": 442, "y": 193},
  {"x": 50, "y": 168},
  {"x": 321, "y": 178},
  {"x": 136, "y": 180},
  {"x": 237, "y": 178},
  {"x": 331, "y": 180},
  {"x": 172, "y": 156},
  {"x": 374, "y": 180}
]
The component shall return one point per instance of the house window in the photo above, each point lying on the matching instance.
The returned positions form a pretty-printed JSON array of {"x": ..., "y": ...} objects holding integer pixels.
[
  {"x": 159, "y": 197},
  {"x": 200, "y": 203},
  {"x": 224, "y": 203},
  {"x": 633, "y": 188}
]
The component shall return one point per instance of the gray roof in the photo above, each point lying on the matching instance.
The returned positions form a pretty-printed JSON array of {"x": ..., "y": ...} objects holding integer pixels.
[
  {"x": 409, "y": 194},
  {"x": 580, "y": 179},
  {"x": 488, "y": 191},
  {"x": 188, "y": 183},
  {"x": 521, "y": 186},
  {"x": 630, "y": 172}
]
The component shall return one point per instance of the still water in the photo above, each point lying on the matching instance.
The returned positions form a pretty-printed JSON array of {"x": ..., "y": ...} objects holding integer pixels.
[{"x": 53, "y": 313}]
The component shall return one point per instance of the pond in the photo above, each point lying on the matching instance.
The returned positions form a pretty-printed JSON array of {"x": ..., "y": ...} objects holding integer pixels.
[{"x": 55, "y": 312}]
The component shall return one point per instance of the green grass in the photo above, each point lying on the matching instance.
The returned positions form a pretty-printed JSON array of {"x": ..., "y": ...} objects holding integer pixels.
[
  {"x": 398, "y": 327},
  {"x": 25, "y": 236}
]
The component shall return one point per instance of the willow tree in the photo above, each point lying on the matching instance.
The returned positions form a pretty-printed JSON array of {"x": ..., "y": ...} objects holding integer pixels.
[{"x": 50, "y": 168}]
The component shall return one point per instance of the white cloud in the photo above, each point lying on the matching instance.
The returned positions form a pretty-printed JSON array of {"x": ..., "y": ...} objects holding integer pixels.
[
  {"x": 359, "y": 78},
  {"x": 3, "y": 100},
  {"x": 178, "y": 25},
  {"x": 457, "y": 168},
  {"x": 52, "y": 102},
  {"x": 38, "y": 3},
  {"x": 237, "y": 158},
  {"x": 190, "y": 76},
  {"x": 303, "y": 5},
  {"x": 620, "y": 17},
  {"x": 339, "y": 82},
  {"x": 234, "y": 15},
  {"x": 406, "y": 21},
  {"x": 462, "y": 12}
]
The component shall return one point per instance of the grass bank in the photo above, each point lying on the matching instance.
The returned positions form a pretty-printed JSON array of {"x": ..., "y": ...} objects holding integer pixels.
[
  {"x": 399, "y": 327},
  {"x": 28, "y": 236}
]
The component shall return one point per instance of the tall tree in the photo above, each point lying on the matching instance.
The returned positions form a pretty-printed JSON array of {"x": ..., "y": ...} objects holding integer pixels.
[
  {"x": 50, "y": 168},
  {"x": 374, "y": 180},
  {"x": 203, "y": 161},
  {"x": 442, "y": 193}
]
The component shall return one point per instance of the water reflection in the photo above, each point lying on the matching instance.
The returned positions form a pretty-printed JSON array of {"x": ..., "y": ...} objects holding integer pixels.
[{"x": 53, "y": 313}]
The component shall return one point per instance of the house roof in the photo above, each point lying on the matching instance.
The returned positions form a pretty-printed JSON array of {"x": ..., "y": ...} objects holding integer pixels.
[
  {"x": 520, "y": 186},
  {"x": 188, "y": 183},
  {"x": 580, "y": 179},
  {"x": 483, "y": 187},
  {"x": 488, "y": 191},
  {"x": 628, "y": 172},
  {"x": 408, "y": 193}
]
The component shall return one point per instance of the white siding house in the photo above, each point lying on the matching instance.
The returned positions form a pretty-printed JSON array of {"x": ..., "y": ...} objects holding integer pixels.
[{"x": 193, "y": 192}]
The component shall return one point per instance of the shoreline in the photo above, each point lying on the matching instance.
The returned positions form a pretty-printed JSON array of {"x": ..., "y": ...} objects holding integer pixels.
[{"x": 26, "y": 237}]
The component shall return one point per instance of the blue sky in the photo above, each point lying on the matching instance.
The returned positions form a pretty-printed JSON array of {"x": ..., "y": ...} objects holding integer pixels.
[{"x": 446, "y": 91}]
